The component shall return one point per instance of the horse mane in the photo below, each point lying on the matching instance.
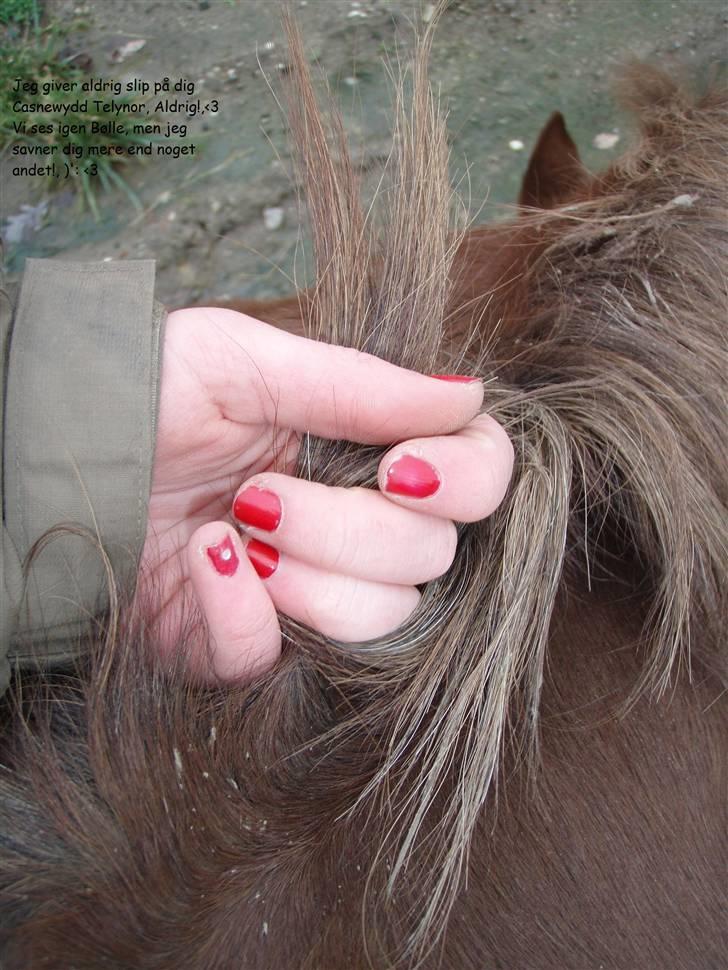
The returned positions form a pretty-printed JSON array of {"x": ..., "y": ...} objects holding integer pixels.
[{"x": 152, "y": 823}]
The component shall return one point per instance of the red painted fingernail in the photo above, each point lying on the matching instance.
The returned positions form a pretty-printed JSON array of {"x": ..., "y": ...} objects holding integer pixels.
[
  {"x": 263, "y": 557},
  {"x": 258, "y": 507},
  {"x": 223, "y": 557},
  {"x": 413, "y": 477},
  {"x": 455, "y": 378}
]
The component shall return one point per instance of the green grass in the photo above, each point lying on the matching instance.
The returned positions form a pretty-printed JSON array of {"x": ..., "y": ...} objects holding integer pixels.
[
  {"x": 19, "y": 13},
  {"x": 35, "y": 57}
]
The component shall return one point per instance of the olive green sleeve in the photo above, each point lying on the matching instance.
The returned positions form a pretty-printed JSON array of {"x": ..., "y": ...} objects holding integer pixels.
[{"x": 82, "y": 358}]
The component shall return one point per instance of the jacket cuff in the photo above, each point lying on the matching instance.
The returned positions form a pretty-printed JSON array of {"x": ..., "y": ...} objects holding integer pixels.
[{"x": 80, "y": 425}]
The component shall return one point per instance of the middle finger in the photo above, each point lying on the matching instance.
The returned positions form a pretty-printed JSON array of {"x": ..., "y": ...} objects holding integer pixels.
[{"x": 354, "y": 531}]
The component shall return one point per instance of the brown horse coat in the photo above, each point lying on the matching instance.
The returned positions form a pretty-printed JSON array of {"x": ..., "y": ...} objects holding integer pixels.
[{"x": 531, "y": 773}]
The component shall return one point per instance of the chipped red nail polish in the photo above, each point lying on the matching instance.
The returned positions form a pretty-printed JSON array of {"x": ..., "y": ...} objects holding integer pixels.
[
  {"x": 258, "y": 507},
  {"x": 412, "y": 477},
  {"x": 263, "y": 557},
  {"x": 223, "y": 557},
  {"x": 456, "y": 378}
]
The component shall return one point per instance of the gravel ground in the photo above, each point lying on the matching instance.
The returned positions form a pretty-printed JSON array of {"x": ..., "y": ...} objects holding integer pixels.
[{"x": 226, "y": 223}]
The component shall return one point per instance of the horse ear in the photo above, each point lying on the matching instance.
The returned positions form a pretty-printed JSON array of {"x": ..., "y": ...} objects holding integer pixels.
[{"x": 555, "y": 171}]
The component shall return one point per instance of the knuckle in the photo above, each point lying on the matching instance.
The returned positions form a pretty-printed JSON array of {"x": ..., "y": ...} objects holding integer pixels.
[
  {"x": 357, "y": 533},
  {"x": 341, "y": 545},
  {"x": 443, "y": 549},
  {"x": 501, "y": 454},
  {"x": 332, "y": 606},
  {"x": 495, "y": 458},
  {"x": 246, "y": 633},
  {"x": 494, "y": 439}
]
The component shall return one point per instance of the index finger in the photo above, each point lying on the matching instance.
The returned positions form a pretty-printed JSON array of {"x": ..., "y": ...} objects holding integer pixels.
[
  {"x": 331, "y": 391},
  {"x": 463, "y": 477}
]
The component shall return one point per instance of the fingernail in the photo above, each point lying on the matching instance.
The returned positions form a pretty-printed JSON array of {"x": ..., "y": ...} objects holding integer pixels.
[
  {"x": 413, "y": 477},
  {"x": 258, "y": 507},
  {"x": 223, "y": 557},
  {"x": 263, "y": 557},
  {"x": 455, "y": 378}
]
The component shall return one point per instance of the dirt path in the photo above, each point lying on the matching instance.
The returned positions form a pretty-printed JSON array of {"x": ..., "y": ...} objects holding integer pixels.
[{"x": 225, "y": 222}]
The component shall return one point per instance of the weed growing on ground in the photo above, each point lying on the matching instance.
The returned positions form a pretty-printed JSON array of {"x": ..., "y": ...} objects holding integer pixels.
[{"x": 35, "y": 54}]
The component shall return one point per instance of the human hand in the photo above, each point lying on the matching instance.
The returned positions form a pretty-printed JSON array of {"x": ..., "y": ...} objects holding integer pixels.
[{"x": 235, "y": 396}]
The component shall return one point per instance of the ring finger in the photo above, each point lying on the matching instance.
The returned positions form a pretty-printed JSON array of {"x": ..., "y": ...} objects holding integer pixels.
[
  {"x": 341, "y": 607},
  {"x": 352, "y": 531}
]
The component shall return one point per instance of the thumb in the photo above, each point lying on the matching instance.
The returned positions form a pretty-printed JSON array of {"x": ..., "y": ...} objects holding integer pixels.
[{"x": 245, "y": 639}]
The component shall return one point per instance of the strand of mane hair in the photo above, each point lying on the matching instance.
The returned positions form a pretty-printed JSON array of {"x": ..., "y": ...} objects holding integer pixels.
[{"x": 341, "y": 811}]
